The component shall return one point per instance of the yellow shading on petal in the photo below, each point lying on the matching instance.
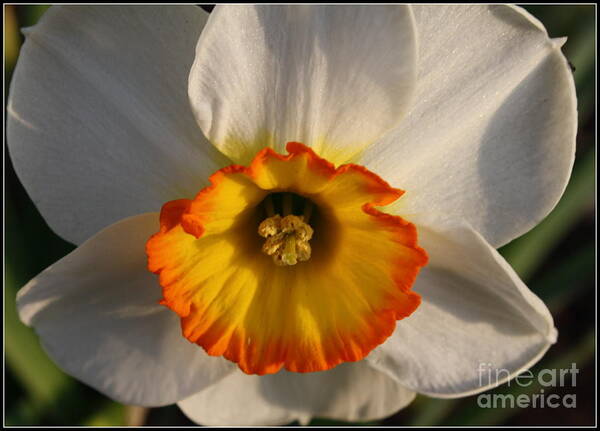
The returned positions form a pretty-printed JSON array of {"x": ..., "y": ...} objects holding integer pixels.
[{"x": 336, "y": 306}]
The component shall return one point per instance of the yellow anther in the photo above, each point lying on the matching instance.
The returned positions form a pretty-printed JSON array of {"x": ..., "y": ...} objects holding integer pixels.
[
  {"x": 270, "y": 226},
  {"x": 303, "y": 249},
  {"x": 286, "y": 239}
]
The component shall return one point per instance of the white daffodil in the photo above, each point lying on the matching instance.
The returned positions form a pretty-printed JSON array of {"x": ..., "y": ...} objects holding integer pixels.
[{"x": 269, "y": 135}]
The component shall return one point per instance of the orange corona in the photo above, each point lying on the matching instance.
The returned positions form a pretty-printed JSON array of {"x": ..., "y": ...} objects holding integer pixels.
[{"x": 287, "y": 263}]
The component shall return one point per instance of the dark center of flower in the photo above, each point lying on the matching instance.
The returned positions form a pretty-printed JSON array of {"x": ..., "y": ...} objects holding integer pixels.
[{"x": 288, "y": 235}]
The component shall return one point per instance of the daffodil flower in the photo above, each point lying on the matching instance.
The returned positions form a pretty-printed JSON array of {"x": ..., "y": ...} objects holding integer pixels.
[{"x": 333, "y": 182}]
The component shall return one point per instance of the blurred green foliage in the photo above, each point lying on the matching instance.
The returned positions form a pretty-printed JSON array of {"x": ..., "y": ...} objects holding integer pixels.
[{"x": 556, "y": 259}]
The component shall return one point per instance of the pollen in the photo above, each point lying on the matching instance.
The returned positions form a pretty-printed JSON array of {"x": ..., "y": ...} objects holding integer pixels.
[{"x": 287, "y": 239}]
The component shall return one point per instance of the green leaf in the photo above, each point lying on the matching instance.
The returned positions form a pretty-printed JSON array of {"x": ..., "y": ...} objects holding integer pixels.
[
  {"x": 12, "y": 40},
  {"x": 526, "y": 254},
  {"x": 431, "y": 411},
  {"x": 110, "y": 414},
  {"x": 31, "y": 14},
  {"x": 557, "y": 289}
]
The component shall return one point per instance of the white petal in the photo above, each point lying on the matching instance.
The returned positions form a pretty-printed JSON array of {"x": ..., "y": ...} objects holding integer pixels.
[
  {"x": 350, "y": 392},
  {"x": 99, "y": 122},
  {"x": 332, "y": 77},
  {"x": 490, "y": 138},
  {"x": 476, "y": 314},
  {"x": 97, "y": 314}
]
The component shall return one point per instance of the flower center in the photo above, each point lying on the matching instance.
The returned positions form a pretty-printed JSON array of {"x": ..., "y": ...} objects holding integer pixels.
[
  {"x": 270, "y": 306},
  {"x": 287, "y": 237}
]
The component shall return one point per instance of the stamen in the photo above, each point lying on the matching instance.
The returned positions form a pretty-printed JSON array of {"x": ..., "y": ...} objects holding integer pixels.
[
  {"x": 289, "y": 257},
  {"x": 286, "y": 239},
  {"x": 270, "y": 226}
]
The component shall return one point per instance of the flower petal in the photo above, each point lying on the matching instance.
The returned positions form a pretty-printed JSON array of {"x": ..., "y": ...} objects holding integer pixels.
[
  {"x": 267, "y": 75},
  {"x": 491, "y": 136},
  {"x": 475, "y": 313},
  {"x": 97, "y": 314},
  {"x": 99, "y": 123},
  {"x": 350, "y": 392}
]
